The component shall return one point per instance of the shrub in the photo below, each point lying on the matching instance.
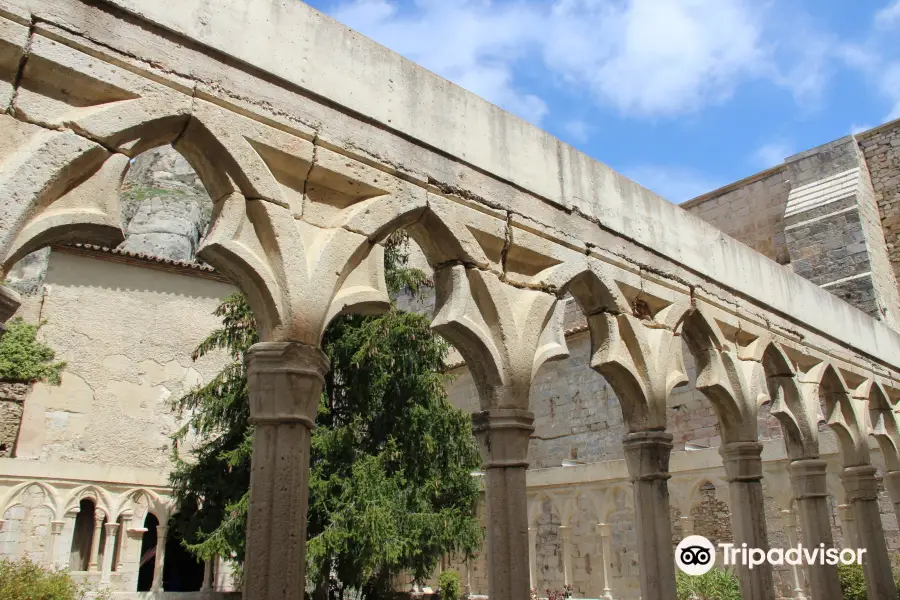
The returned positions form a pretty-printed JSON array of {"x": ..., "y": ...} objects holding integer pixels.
[
  {"x": 449, "y": 584},
  {"x": 25, "y": 580},
  {"x": 716, "y": 584},
  {"x": 23, "y": 358}
]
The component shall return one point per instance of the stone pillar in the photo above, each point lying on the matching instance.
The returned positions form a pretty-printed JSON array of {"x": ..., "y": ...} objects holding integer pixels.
[
  {"x": 790, "y": 531},
  {"x": 503, "y": 436},
  {"x": 861, "y": 487},
  {"x": 123, "y": 535},
  {"x": 95, "y": 541},
  {"x": 9, "y": 304},
  {"x": 605, "y": 533},
  {"x": 892, "y": 482},
  {"x": 161, "y": 531},
  {"x": 285, "y": 381},
  {"x": 565, "y": 534},
  {"x": 687, "y": 525},
  {"x": 532, "y": 557},
  {"x": 208, "y": 575},
  {"x": 468, "y": 577},
  {"x": 108, "y": 550},
  {"x": 56, "y": 529},
  {"x": 743, "y": 471},
  {"x": 811, "y": 497},
  {"x": 848, "y": 526},
  {"x": 647, "y": 457}
]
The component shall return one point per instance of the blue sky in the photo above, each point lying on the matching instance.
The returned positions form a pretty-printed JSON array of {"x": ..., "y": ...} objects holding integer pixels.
[{"x": 682, "y": 96}]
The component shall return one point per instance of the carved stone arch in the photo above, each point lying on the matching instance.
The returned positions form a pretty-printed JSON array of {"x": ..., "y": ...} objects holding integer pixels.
[
  {"x": 51, "y": 501},
  {"x": 842, "y": 414},
  {"x": 789, "y": 404},
  {"x": 617, "y": 500},
  {"x": 155, "y": 503},
  {"x": 731, "y": 384},
  {"x": 101, "y": 499},
  {"x": 884, "y": 426}
]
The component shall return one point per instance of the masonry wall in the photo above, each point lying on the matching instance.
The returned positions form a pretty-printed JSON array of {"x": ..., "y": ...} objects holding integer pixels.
[{"x": 881, "y": 148}]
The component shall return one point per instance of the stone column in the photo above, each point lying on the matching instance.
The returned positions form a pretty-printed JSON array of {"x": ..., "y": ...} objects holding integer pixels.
[
  {"x": 861, "y": 486},
  {"x": 848, "y": 526},
  {"x": 503, "y": 435},
  {"x": 123, "y": 536},
  {"x": 743, "y": 471},
  {"x": 161, "y": 531},
  {"x": 811, "y": 497},
  {"x": 56, "y": 529},
  {"x": 687, "y": 525},
  {"x": 647, "y": 457},
  {"x": 892, "y": 482},
  {"x": 95, "y": 541},
  {"x": 605, "y": 533},
  {"x": 790, "y": 530},
  {"x": 565, "y": 534},
  {"x": 285, "y": 381},
  {"x": 108, "y": 550},
  {"x": 532, "y": 556},
  {"x": 9, "y": 304},
  {"x": 468, "y": 577},
  {"x": 208, "y": 575}
]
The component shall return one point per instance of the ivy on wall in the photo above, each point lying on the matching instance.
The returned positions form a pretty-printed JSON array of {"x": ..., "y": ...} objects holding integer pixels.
[{"x": 24, "y": 359}]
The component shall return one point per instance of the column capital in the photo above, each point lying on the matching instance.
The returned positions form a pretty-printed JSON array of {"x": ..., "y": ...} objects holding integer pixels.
[
  {"x": 56, "y": 527},
  {"x": 742, "y": 461},
  {"x": 161, "y": 531},
  {"x": 647, "y": 454},
  {"x": 111, "y": 529},
  {"x": 604, "y": 529},
  {"x": 565, "y": 532},
  {"x": 860, "y": 482},
  {"x": 285, "y": 380},
  {"x": 503, "y": 434},
  {"x": 808, "y": 478}
]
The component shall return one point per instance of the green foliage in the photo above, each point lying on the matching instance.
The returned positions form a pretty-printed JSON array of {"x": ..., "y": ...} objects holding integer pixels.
[
  {"x": 716, "y": 584},
  {"x": 390, "y": 479},
  {"x": 25, "y": 580},
  {"x": 24, "y": 359},
  {"x": 449, "y": 584},
  {"x": 853, "y": 579},
  {"x": 853, "y": 582}
]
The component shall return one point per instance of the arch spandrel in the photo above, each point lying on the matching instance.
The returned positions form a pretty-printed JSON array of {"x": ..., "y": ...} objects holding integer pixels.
[{"x": 883, "y": 425}]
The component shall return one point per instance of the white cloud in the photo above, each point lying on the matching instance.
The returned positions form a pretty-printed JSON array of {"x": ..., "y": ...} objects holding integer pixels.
[
  {"x": 856, "y": 128},
  {"x": 642, "y": 57},
  {"x": 577, "y": 130},
  {"x": 889, "y": 16},
  {"x": 772, "y": 153},
  {"x": 675, "y": 184}
]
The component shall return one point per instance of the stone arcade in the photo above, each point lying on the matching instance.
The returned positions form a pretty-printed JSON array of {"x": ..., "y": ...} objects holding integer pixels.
[{"x": 315, "y": 143}]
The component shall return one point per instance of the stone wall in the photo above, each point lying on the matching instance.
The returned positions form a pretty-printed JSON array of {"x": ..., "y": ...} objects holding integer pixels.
[
  {"x": 750, "y": 210},
  {"x": 12, "y": 402},
  {"x": 127, "y": 334},
  {"x": 881, "y": 148},
  {"x": 818, "y": 214}
]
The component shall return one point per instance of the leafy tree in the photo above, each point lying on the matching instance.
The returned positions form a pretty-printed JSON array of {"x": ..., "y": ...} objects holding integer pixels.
[
  {"x": 25, "y": 580},
  {"x": 24, "y": 359},
  {"x": 391, "y": 488},
  {"x": 715, "y": 584}
]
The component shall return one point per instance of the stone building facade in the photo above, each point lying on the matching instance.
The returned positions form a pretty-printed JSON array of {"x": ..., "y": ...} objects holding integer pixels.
[
  {"x": 127, "y": 364},
  {"x": 307, "y": 175}
]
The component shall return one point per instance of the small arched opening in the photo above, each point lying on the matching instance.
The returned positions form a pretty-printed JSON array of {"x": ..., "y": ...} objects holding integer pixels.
[
  {"x": 148, "y": 553},
  {"x": 82, "y": 536}
]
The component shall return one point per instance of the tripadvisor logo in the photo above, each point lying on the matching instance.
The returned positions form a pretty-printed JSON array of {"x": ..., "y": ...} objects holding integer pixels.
[{"x": 696, "y": 555}]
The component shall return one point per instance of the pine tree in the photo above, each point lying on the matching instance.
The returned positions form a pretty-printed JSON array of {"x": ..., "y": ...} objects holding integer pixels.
[{"x": 391, "y": 488}]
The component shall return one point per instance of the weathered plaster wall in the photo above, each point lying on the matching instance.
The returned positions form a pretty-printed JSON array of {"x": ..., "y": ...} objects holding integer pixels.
[{"x": 127, "y": 334}]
